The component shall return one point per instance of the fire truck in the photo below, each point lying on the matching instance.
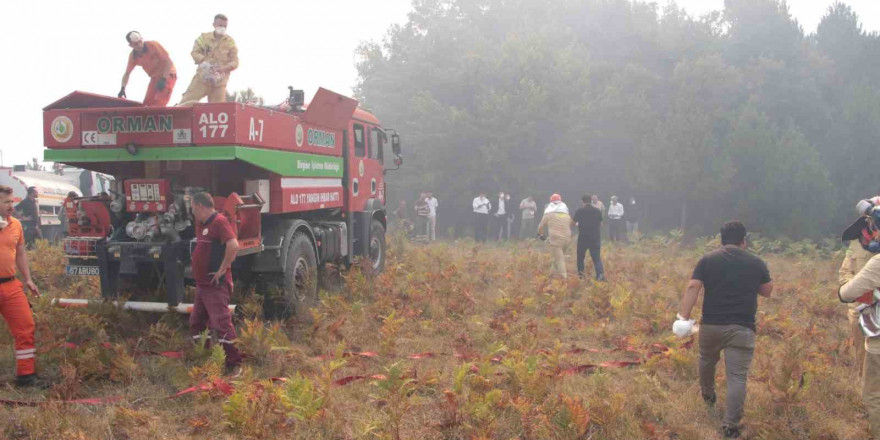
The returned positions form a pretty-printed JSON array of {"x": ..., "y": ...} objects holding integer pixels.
[{"x": 303, "y": 186}]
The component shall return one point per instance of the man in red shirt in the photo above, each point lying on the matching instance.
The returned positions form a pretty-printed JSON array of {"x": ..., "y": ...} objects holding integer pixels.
[
  {"x": 155, "y": 60},
  {"x": 13, "y": 303},
  {"x": 216, "y": 248}
]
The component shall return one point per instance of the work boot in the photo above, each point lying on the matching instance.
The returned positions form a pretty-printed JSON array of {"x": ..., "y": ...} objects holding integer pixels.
[
  {"x": 601, "y": 277},
  {"x": 710, "y": 400},
  {"x": 731, "y": 432},
  {"x": 31, "y": 380},
  {"x": 233, "y": 371}
]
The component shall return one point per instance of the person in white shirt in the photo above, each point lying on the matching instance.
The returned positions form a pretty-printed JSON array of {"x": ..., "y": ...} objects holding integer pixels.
[
  {"x": 510, "y": 215},
  {"x": 615, "y": 220},
  {"x": 528, "y": 208},
  {"x": 432, "y": 216},
  {"x": 482, "y": 206}
]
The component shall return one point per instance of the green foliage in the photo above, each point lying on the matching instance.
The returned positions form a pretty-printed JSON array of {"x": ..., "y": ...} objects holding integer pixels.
[
  {"x": 254, "y": 410},
  {"x": 391, "y": 326},
  {"x": 305, "y": 401},
  {"x": 393, "y": 396},
  {"x": 734, "y": 114},
  {"x": 257, "y": 339}
]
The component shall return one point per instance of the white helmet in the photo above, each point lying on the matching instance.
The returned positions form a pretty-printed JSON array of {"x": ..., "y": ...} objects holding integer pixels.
[{"x": 864, "y": 206}]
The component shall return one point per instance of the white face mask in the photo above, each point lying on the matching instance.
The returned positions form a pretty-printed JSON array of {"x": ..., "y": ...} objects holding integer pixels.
[{"x": 220, "y": 30}]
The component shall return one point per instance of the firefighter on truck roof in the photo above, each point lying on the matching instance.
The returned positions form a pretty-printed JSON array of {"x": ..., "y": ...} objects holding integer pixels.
[
  {"x": 13, "y": 303},
  {"x": 216, "y": 55},
  {"x": 155, "y": 60}
]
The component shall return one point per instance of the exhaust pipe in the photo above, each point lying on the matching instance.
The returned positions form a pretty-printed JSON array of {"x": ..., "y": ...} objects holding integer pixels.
[{"x": 140, "y": 306}]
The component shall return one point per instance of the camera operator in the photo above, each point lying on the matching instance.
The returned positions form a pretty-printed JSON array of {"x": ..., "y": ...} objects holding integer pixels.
[{"x": 862, "y": 289}]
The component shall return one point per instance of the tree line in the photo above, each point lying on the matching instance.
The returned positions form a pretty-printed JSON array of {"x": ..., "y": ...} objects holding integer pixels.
[{"x": 735, "y": 114}]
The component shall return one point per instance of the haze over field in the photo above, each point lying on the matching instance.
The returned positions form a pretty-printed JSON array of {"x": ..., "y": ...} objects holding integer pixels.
[
  {"x": 696, "y": 114},
  {"x": 738, "y": 114}
]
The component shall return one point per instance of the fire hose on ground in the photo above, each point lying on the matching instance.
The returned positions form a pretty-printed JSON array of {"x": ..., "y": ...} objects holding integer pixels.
[{"x": 139, "y": 306}]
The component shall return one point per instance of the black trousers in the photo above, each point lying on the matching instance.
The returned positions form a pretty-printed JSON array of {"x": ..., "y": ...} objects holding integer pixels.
[
  {"x": 595, "y": 247},
  {"x": 617, "y": 229},
  {"x": 30, "y": 235},
  {"x": 499, "y": 228},
  {"x": 481, "y": 227}
]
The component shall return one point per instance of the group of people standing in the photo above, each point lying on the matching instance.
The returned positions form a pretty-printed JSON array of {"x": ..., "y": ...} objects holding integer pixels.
[
  {"x": 555, "y": 228},
  {"x": 426, "y": 216},
  {"x": 496, "y": 219},
  {"x": 623, "y": 221}
]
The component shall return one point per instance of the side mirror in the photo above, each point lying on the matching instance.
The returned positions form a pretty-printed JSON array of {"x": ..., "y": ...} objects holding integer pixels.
[
  {"x": 395, "y": 144},
  {"x": 395, "y": 147}
]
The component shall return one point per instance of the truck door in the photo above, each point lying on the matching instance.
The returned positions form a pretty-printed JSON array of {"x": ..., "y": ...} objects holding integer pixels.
[
  {"x": 365, "y": 167},
  {"x": 376, "y": 164}
]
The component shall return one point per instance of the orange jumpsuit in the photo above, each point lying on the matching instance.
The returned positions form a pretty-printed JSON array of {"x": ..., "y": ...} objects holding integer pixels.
[
  {"x": 154, "y": 59},
  {"x": 13, "y": 303}
]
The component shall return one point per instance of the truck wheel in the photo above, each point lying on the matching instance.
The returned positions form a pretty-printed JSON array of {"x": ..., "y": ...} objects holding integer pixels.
[
  {"x": 300, "y": 278},
  {"x": 377, "y": 248}
]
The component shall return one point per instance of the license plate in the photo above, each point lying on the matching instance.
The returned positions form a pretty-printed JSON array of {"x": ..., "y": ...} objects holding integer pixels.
[{"x": 83, "y": 270}]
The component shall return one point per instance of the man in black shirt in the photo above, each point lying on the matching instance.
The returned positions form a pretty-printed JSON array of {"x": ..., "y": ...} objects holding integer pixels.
[
  {"x": 732, "y": 278},
  {"x": 29, "y": 213},
  {"x": 588, "y": 219}
]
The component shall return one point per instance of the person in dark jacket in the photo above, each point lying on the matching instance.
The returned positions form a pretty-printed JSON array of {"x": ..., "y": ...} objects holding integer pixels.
[
  {"x": 28, "y": 211},
  {"x": 588, "y": 220},
  {"x": 500, "y": 228},
  {"x": 633, "y": 215},
  {"x": 731, "y": 278}
]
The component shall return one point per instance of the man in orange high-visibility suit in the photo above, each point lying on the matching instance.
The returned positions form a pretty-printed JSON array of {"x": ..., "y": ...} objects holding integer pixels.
[
  {"x": 155, "y": 60},
  {"x": 13, "y": 303},
  {"x": 217, "y": 56}
]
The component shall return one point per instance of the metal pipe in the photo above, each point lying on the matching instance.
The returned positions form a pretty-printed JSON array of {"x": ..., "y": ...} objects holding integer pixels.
[
  {"x": 249, "y": 206},
  {"x": 140, "y": 306}
]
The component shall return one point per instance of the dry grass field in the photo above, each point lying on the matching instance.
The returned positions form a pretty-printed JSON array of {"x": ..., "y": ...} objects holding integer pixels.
[{"x": 453, "y": 341}]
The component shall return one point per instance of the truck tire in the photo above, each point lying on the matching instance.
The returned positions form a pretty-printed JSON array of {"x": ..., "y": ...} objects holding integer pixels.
[
  {"x": 300, "y": 279},
  {"x": 377, "y": 248}
]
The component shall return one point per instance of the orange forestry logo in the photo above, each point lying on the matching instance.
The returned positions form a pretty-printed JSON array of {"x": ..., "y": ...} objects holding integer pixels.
[{"x": 62, "y": 129}]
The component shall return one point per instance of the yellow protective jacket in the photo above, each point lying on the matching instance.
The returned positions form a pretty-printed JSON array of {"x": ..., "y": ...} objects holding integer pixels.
[
  {"x": 853, "y": 261},
  {"x": 219, "y": 51},
  {"x": 866, "y": 280},
  {"x": 558, "y": 227}
]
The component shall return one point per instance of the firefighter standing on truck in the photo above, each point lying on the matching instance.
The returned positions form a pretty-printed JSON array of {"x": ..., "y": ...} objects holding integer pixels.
[
  {"x": 216, "y": 248},
  {"x": 155, "y": 60},
  {"x": 216, "y": 55},
  {"x": 13, "y": 303}
]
